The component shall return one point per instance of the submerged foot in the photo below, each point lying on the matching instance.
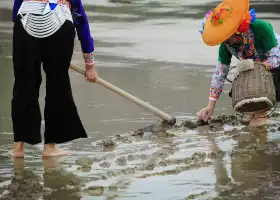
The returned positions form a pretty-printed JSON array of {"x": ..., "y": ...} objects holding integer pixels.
[
  {"x": 259, "y": 119},
  {"x": 249, "y": 118},
  {"x": 15, "y": 154},
  {"x": 51, "y": 150},
  {"x": 258, "y": 122},
  {"x": 52, "y": 162},
  {"x": 17, "y": 151}
]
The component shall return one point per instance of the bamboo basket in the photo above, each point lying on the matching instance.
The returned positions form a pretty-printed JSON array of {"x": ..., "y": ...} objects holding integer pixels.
[{"x": 253, "y": 90}]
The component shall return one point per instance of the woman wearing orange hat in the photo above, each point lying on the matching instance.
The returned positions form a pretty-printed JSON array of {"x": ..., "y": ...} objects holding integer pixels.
[{"x": 236, "y": 29}]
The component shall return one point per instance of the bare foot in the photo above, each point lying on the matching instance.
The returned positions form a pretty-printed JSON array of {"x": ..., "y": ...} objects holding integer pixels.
[
  {"x": 260, "y": 118},
  {"x": 51, "y": 150},
  {"x": 17, "y": 151}
]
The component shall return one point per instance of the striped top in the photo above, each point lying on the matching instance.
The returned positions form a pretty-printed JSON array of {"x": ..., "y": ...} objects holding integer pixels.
[
  {"x": 41, "y": 19},
  {"x": 80, "y": 22}
]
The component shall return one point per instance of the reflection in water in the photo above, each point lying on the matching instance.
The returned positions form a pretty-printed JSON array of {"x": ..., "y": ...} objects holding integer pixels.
[
  {"x": 254, "y": 171},
  {"x": 55, "y": 183},
  {"x": 25, "y": 184},
  {"x": 222, "y": 178},
  {"x": 250, "y": 156},
  {"x": 62, "y": 184},
  {"x": 250, "y": 162}
]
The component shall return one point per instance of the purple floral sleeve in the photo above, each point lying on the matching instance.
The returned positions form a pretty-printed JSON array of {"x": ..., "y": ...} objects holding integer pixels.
[
  {"x": 218, "y": 80},
  {"x": 273, "y": 56}
]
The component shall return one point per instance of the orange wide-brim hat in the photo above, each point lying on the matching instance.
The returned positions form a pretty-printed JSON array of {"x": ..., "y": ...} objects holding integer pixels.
[{"x": 224, "y": 21}]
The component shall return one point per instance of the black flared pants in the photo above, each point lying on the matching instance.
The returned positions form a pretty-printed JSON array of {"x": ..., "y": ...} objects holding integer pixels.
[{"x": 62, "y": 122}]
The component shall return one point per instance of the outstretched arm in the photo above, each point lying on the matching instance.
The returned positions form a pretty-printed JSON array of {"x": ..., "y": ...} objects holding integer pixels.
[
  {"x": 220, "y": 74},
  {"x": 218, "y": 80},
  {"x": 217, "y": 83}
]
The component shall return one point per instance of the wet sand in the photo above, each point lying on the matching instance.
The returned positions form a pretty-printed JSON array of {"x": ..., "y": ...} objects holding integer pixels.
[{"x": 154, "y": 51}]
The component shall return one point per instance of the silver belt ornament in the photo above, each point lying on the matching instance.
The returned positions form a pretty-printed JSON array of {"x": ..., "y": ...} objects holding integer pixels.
[{"x": 41, "y": 19}]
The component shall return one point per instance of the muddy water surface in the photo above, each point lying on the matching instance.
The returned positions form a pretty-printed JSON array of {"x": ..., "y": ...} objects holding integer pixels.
[{"x": 153, "y": 50}]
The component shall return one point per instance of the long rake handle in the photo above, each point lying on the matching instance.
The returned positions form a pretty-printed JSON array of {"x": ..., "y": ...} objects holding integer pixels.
[{"x": 130, "y": 97}]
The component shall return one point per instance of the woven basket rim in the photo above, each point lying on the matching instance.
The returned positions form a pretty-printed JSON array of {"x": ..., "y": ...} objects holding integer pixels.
[
  {"x": 254, "y": 84},
  {"x": 269, "y": 103}
]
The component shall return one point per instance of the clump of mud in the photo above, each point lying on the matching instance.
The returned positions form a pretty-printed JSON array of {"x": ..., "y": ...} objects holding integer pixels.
[
  {"x": 195, "y": 196},
  {"x": 197, "y": 157},
  {"x": 138, "y": 132},
  {"x": 107, "y": 144},
  {"x": 132, "y": 157},
  {"x": 275, "y": 115},
  {"x": 25, "y": 190},
  {"x": 105, "y": 164},
  {"x": 158, "y": 129},
  {"x": 192, "y": 125},
  {"x": 273, "y": 148},
  {"x": 221, "y": 120},
  {"x": 161, "y": 127},
  {"x": 125, "y": 138},
  {"x": 233, "y": 132},
  {"x": 217, "y": 154},
  {"x": 121, "y": 161},
  {"x": 84, "y": 164},
  {"x": 233, "y": 120},
  {"x": 165, "y": 152},
  {"x": 94, "y": 190}
]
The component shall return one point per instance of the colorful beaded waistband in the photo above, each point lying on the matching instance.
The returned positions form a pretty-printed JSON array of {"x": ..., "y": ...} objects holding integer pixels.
[{"x": 61, "y": 2}]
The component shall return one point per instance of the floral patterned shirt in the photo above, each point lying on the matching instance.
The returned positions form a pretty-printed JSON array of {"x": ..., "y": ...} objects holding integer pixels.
[{"x": 267, "y": 44}]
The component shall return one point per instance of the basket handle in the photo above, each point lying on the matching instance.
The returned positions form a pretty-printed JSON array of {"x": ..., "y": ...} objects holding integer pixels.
[{"x": 229, "y": 71}]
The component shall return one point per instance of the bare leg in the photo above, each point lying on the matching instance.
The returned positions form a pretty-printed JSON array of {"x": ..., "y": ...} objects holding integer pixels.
[
  {"x": 249, "y": 117},
  {"x": 260, "y": 118},
  {"x": 51, "y": 150},
  {"x": 18, "y": 150}
]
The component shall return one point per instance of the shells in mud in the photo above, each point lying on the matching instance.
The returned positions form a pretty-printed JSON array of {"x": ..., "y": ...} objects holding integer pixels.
[
  {"x": 95, "y": 190},
  {"x": 190, "y": 124},
  {"x": 84, "y": 164},
  {"x": 108, "y": 142},
  {"x": 216, "y": 122}
]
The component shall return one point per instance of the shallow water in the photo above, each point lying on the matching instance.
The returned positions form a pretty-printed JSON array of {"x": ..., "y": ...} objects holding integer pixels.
[{"x": 153, "y": 50}]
